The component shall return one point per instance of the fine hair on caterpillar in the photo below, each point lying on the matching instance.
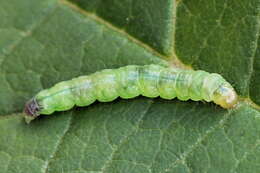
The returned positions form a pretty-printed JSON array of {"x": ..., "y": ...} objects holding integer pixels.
[{"x": 129, "y": 82}]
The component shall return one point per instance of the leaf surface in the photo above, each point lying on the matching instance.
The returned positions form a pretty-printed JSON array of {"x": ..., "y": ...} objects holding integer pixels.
[{"x": 44, "y": 42}]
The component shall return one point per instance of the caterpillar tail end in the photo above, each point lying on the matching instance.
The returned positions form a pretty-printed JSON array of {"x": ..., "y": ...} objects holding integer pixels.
[
  {"x": 31, "y": 110},
  {"x": 226, "y": 97}
]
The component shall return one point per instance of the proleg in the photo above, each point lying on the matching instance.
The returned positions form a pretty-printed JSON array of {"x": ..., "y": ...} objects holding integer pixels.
[{"x": 129, "y": 82}]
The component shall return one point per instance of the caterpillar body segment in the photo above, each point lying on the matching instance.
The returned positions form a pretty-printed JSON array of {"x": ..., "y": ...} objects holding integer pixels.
[{"x": 129, "y": 82}]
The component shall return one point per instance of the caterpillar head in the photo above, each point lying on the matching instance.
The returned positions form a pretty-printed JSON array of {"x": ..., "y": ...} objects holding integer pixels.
[
  {"x": 225, "y": 96},
  {"x": 31, "y": 110}
]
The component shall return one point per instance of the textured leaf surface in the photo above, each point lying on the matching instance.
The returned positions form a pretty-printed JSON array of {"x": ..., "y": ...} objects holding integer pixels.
[
  {"x": 150, "y": 21},
  {"x": 44, "y": 42},
  {"x": 224, "y": 40}
]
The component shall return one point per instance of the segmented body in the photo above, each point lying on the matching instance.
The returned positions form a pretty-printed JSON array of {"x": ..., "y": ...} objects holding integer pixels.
[{"x": 132, "y": 81}]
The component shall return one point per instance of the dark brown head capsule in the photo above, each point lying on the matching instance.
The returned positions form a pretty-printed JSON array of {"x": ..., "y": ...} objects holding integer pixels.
[{"x": 31, "y": 110}]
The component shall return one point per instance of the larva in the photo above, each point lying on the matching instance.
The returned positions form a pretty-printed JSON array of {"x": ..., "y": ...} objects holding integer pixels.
[{"x": 129, "y": 82}]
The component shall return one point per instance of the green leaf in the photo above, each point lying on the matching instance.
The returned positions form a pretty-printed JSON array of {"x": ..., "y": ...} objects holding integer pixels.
[
  {"x": 150, "y": 21},
  {"x": 44, "y": 42},
  {"x": 222, "y": 37}
]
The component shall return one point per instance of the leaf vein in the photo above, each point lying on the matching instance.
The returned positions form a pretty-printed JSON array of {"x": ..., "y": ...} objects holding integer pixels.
[
  {"x": 112, "y": 27},
  {"x": 28, "y": 33},
  {"x": 192, "y": 147},
  {"x": 124, "y": 140},
  {"x": 56, "y": 147}
]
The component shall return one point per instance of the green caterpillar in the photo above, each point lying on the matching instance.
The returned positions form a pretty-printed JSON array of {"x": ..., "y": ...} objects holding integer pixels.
[{"x": 129, "y": 82}]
